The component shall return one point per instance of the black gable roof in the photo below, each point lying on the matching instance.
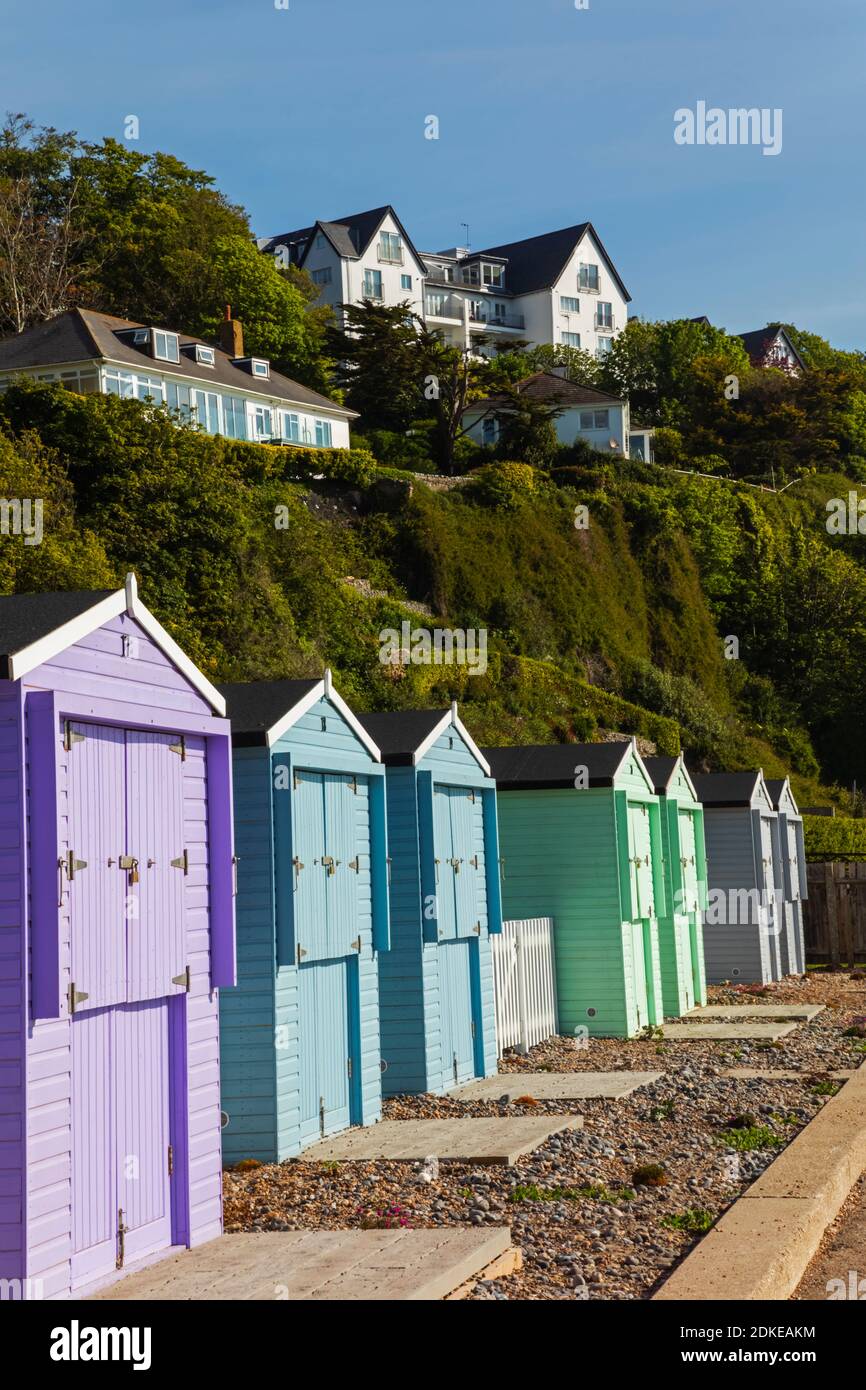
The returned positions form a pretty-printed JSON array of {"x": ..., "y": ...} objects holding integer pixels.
[
  {"x": 399, "y": 733},
  {"x": 254, "y": 707},
  {"x": 661, "y": 770},
  {"x": 537, "y": 262},
  {"x": 553, "y": 764},
  {"x": 726, "y": 788},
  {"x": 25, "y": 618}
]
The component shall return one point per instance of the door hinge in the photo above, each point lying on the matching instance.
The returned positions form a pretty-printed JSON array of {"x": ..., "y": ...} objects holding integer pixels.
[
  {"x": 353, "y": 783},
  {"x": 70, "y": 735},
  {"x": 179, "y": 748},
  {"x": 471, "y": 796},
  {"x": 353, "y": 864},
  {"x": 182, "y": 862},
  {"x": 301, "y": 954},
  {"x": 473, "y": 1029},
  {"x": 182, "y": 978},
  {"x": 170, "y": 1160},
  {"x": 74, "y": 997},
  {"x": 322, "y": 1116},
  {"x": 121, "y": 1233},
  {"x": 296, "y": 780},
  {"x": 348, "y": 1066},
  {"x": 474, "y": 861},
  {"x": 356, "y": 944},
  {"x": 477, "y": 929}
]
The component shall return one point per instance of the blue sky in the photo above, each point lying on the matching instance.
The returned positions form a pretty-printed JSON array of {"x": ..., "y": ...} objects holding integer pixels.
[{"x": 548, "y": 115}]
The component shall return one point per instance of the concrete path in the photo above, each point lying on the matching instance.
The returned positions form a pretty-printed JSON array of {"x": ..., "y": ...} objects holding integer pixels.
[
  {"x": 802, "y": 1013},
  {"x": 557, "y": 1085},
  {"x": 720, "y": 1032},
  {"x": 345, "y": 1265},
  {"x": 765, "y": 1074},
  {"x": 468, "y": 1140}
]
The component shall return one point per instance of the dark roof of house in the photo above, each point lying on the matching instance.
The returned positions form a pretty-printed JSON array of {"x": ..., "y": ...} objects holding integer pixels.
[
  {"x": 554, "y": 764},
  {"x": 758, "y": 342},
  {"x": 398, "y": 733},
  {"x": 661, "y": 770},
  {"x": 25, "y": 618},
  {"x": 537, "y": 262},
  {"x": 726, "y": 788},
  {"x": 778, "y": 787},
  {"x": 349, "y": 236},
  {"x": 254, "y": 707},
  {"x": 83, "y": 334},
  {"x": 552, "y": 389}
]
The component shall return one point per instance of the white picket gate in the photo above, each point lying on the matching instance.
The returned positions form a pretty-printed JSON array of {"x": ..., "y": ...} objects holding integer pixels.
[{"x": 524, "y": 978}]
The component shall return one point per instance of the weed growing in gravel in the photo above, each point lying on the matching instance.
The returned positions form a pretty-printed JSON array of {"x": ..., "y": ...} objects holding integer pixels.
[
  {"x": 386, "y": 1219},
  {"x": 650, "y": 1175},
  {"x": 825, "y": 1088},
  {"x": 753, "y": 1137},
  {"x": 329, "y": 1165},
  {"x": 531, "y": 1192},
  {"x": 663, "y": 1111},
  {"x": 695, "y": 1220}
]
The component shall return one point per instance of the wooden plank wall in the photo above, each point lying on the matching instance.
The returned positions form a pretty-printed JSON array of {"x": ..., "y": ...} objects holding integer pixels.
[{"x": 834, "y": 914}]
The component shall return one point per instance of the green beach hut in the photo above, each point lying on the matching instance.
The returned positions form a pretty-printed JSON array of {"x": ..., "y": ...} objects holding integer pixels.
[
  {"x": 681, "y": 935},
  {"x": 581, "y": 842}
]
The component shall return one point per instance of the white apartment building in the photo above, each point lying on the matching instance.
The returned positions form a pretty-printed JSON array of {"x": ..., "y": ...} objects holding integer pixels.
[{"x": 560, "y": 287}]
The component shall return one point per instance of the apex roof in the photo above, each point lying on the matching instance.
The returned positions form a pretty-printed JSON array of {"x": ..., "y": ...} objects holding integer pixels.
[
  {"x": 404, "y": 736},
  {"x": 553, "y": 765},
  {"x": 262, "y": 711},
  {"x": 759, "y": 341},
  {"x": 84, "y": 334},
  {"x": 729, "y": 788},
  {"x": 349, "y": 236},
  {"x": 536, "y": 262},
  {"x": 551, "y": 389}
]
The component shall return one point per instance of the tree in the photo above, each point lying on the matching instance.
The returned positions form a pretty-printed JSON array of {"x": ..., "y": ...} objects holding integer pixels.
[
  {"x": 37, "y": 256},
  {"x": 381, "y": 361}
]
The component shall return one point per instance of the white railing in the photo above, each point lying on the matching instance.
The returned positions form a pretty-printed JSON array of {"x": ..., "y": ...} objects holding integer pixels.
[{"x": 524, "y": 977}]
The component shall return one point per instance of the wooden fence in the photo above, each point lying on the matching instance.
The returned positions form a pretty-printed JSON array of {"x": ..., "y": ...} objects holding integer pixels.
[
  {"x": 525, "y": 983},
  {"x": 834, "y": 914}
]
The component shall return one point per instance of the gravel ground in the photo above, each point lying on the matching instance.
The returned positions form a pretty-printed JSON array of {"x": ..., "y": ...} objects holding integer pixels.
[{"x": 587, "y": 1227}]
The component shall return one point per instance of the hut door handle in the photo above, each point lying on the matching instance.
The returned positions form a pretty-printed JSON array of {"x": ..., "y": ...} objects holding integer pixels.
[
  {"x": 437, "y": 862},
  {"x": 298, "y": 866},
  {"x": 388, "y": 862}
]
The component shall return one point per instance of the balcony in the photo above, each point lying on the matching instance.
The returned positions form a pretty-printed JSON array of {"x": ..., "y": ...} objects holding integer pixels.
[
  {"x": 443, "y": 306},
  {"x": 605, "y": 325},
  {"x": 371, "y": 291},
  {"x": 488, "y": 318}
]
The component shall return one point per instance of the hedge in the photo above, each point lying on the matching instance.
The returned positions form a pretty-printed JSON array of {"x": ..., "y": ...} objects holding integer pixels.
[{"x": 830, "y": 838}]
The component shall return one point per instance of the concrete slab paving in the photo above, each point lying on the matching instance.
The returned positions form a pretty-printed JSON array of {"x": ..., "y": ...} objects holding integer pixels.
[
  {"x": 720, "y": 1032},
  {"x": 801, "y": 1012},
  {"x": 557, "y": 1085},
  {"x": 765, "y": 1074},
  {"x": 319, "y": 1265},
  {"x": 464, "y": 1140}
]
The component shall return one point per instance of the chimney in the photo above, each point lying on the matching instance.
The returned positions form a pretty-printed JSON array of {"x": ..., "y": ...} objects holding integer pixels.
[{"x": 231, "y": 335}]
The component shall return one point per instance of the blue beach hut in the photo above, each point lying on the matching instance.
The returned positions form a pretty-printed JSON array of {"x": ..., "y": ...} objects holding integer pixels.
[{"x": 299, "y": 1035}]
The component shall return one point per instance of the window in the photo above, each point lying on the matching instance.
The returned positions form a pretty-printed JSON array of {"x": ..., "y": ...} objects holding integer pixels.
[
  {"x": 603, "y": 346},
  {"x": 150, "y": 388},
  {"x": 235, "y": 417},
  {"x": 604, "y": 315},
  {"x": 493, "y": 275},
  {"x": 320, "y": 241},
  {"x": 489, "y": 430},
  {"x": 569, "y": 304},
  {"x": 207, "y": 410},
  {"x": 204, "y": 355},
  {"x": 322, "y": 277},
  {"x": 264, "y": 422},
  {"x": 477, "y": 310},
  {"x": 323, "y": 434},
  {"x": 499, "y": 311},
  {"x": 595, "y": 419},
  {"x": 571, "y": 340},
  {"x": 165, "y": 346},
  {"x": 372, "y": 284},
  {"x": 405, "y": 282},
  {"x": 179, "y": 398},
  {"x": 470, "y": 275},
  {"x": 120, "y": 384},
  {"x": 260, "y": 367},
  {"x": 390, "y": 248},
  {"x": 588, "y": 277},
  {"x": 291, "y": 427}
]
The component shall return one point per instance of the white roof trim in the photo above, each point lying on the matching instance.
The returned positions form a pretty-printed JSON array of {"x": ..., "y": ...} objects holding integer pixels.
[
  {"x": 451, "y": 719},
  {"x": 322, "y": 690},
  {"x": 126, "y": 600},
  {"x": 682, "y": 763},
  {"x": 632, "y": 745}
]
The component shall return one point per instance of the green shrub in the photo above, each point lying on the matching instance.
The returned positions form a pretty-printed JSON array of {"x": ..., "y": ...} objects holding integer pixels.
[
  {"x": 505, "y": 485},
  {"x": 830, "y": 838}
]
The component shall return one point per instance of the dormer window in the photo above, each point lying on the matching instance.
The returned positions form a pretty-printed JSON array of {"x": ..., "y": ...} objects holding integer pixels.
[
  {"x": 256, "y": 366},
  {"x": 493, "y": 275},
  {"x": 141, "y": 337},
  {"x": 205, "y": 356},
  {"x": 166, "y": 346}
]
